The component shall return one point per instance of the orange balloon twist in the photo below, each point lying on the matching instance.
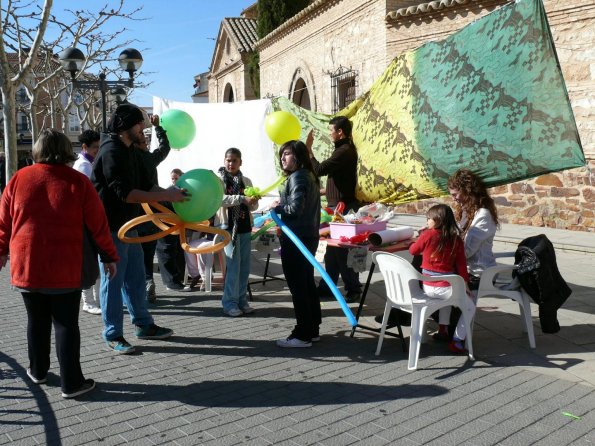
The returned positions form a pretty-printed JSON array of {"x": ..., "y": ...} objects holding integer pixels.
[{"x": 170, "y": 223}]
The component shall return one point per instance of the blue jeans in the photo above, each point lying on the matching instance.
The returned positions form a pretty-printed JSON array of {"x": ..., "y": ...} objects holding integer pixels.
[
  {"x": 128, "y": 287},
  {"x": 237, "y": 271}
]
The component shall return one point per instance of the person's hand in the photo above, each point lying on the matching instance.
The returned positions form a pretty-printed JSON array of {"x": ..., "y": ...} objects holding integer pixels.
[
  {"x": 274, "y": 204},
  {"x": 176, "y": 195},
  {"x": 250, "y": 200},
  {"x": 309, "y": 142},
  {"x": 110, "y": 269},
  {"x": 3, "y": 260},
  {"x": 155, "y": 120}
]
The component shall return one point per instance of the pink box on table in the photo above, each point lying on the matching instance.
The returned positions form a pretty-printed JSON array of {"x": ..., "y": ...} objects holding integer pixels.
[{"x": 339, "y": 230}]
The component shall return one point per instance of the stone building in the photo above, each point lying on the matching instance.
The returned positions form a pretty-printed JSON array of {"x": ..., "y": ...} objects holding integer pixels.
[
  {"x": 333, "y": 50},
  {"x": 229, "y": 79}
]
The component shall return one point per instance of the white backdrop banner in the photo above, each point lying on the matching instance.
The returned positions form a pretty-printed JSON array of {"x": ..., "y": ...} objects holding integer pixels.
[{"x": 219, "y": 127}]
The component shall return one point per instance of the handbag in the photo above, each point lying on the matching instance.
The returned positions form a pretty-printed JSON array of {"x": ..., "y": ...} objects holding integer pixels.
[{"x": 90, "y": 266}]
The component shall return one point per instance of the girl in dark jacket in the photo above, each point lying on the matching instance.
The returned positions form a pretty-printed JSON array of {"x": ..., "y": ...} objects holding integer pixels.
[{"x": 299, "y": 208}]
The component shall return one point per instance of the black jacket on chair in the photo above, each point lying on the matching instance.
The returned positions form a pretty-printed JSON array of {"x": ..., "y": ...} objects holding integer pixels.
[{"x": 538, "y": 273}]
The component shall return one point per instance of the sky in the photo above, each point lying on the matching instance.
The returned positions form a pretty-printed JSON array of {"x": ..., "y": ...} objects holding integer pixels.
[{"x": 176, "y": 40}]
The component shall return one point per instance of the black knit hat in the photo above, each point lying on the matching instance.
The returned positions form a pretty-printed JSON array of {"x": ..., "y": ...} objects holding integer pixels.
[{"x": 126, "y": 116}]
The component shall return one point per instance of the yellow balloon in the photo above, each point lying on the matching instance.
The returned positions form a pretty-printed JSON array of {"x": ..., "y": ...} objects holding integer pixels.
[{"x": 281, "y": 126}]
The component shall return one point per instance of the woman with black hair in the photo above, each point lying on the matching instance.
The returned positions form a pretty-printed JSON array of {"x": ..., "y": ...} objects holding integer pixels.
[{"x": 299, "y": 208}]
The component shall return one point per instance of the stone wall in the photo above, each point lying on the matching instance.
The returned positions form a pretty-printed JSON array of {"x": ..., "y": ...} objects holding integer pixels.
[
  {"x": 347, "y": 33},
  {"x": 563, "y": 200}
]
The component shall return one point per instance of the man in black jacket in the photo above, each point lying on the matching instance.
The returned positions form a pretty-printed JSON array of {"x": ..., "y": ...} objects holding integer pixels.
[
  {"x": 341, "y": 170},
  {"x": 123, "y": 182}
]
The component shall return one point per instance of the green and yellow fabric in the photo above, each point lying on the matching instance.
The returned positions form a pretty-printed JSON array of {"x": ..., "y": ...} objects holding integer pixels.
[{"x": 490, "y": 98}]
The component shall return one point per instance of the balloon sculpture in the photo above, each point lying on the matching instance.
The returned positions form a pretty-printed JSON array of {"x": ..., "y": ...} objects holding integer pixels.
[
  {"x": 257, "y": 193},
  {"x": 282, "y": 126},
  {"x": 206, "y": 193},
  {"x": 179, "y": 126}
]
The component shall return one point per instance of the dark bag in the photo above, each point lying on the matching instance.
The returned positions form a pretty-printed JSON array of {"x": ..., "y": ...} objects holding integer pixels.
[{"x": 90, "y": 266}]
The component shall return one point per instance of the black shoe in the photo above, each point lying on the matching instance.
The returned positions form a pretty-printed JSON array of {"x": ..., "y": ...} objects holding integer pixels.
[
  {"x": 175, "y": 286},
  {"x": 87, "y": 386},
  {"x": 352, "y": 297}
]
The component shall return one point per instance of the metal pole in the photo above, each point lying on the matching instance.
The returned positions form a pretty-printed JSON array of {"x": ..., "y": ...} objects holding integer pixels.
[{"x": 103, "y": 88}]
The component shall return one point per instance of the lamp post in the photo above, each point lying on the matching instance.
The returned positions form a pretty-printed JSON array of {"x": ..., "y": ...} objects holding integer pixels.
[{"x": 73, "y": 60}]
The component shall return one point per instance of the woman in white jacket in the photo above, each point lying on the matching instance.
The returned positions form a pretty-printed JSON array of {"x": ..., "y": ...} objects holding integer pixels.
[
  {"x": 476, "y": 213},
  {"x": 235, "y": 216}
]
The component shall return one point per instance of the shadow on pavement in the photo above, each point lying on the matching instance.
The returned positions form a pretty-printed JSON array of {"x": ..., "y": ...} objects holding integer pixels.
[
  {"x": 42, "y": 413},
  {"x": 255, "y": 393}
]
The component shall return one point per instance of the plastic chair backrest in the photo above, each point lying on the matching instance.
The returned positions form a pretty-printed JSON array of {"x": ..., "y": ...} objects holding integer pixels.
[{"x": 400, "y": 277}]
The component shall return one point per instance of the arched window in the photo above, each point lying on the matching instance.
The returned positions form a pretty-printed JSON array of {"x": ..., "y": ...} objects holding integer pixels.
[
  {"x": 301, "y": 96},
  {"x": 228, "y": 93}
]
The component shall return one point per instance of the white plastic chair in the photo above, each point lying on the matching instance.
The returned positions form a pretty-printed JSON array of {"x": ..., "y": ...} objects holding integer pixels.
[
  {"x": 489, "y": 287},
  {"x": 209, "y": 268},
  {"x": 403, "y": 291}
]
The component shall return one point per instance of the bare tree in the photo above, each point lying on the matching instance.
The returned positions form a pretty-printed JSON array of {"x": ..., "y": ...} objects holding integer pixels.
[
  {"x": 11, "y": 78},
  {"x": 37, "y": 68}
]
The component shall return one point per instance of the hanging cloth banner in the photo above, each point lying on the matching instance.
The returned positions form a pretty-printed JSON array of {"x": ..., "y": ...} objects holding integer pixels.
[{"x": 490, "y": 98}]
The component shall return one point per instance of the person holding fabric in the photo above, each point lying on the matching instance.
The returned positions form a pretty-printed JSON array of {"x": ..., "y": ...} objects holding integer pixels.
[
  {"x": 476, "y": 213},
  {"x": 341, "y": 170},
  {"x": 235, "y": 216},
  {"x": 299, "y": 208},
  {"x": 50, "y": 216},
  {"x": 89, "y": 140},
  {"x": 123, "y": 182}
]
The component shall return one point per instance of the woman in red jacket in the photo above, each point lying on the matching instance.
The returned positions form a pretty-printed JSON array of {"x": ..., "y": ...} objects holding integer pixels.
[{"x": 47, "y": 213}]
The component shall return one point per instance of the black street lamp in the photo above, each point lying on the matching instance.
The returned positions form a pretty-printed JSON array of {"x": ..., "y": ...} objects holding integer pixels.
[{"x": 73, "y": 60}]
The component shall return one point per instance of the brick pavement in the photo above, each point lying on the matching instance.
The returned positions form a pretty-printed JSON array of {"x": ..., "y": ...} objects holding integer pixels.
[{"x": 223, "y": 381}]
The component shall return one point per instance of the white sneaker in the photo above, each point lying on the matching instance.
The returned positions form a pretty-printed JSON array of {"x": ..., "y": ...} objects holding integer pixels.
[
  {"x": 292, "y": 342},
  {"x": 247, "y": 309},
  {"x": 234, "y": 312},
  {"x": 91, "y": 309}
]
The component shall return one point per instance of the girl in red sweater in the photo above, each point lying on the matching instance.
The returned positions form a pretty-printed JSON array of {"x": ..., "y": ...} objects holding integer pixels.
[{"x": 443, "y": 252}]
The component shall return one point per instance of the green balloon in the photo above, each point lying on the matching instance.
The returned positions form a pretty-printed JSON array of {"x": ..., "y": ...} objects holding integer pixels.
[
  {"x": 207, "y": 193},
  {"x": 179, "y": 126}
]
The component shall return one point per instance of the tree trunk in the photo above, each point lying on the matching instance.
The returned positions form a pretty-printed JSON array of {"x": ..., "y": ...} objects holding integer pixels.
[
  {"x": 33, "y": 117},
  {"x": 10, "y": 128}
]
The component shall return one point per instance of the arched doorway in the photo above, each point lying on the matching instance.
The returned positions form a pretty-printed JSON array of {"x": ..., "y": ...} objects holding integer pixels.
[
  {"x": 300, "y": 95},
  {"x": 228, "y": 93}
]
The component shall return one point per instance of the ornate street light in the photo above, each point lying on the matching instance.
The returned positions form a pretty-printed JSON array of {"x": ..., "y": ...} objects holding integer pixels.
[{"x": 130, "y": 60}]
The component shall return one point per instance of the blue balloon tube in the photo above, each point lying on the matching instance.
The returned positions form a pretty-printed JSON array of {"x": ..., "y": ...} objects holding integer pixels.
[{"x": 289, "y": 233}]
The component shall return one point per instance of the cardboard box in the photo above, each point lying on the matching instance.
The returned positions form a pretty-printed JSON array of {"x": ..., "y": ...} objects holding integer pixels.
[{"x": 339, "y": 230}]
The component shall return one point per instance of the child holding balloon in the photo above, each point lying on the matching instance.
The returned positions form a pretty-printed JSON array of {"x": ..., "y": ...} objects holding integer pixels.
[{"x": 235, "y": 216}]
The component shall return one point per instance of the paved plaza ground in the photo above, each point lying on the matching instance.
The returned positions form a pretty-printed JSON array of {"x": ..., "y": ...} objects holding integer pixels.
[{"x": 222, "y": 381}]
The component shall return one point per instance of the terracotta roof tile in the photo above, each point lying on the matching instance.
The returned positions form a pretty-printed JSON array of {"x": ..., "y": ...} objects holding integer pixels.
[
  {"x": 425, "y": 8},
  {"x": 243, "y": 32}
]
